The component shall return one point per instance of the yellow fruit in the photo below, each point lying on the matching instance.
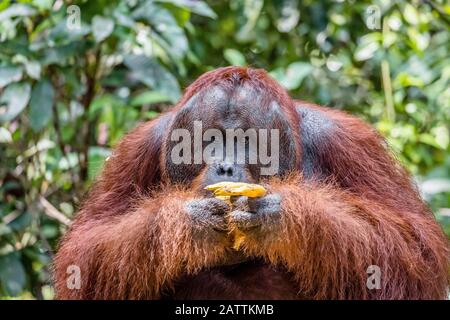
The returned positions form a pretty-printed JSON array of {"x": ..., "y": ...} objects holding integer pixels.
[
  {"x": 227, "y": 189},
  {"x": 218, "y": 185}
]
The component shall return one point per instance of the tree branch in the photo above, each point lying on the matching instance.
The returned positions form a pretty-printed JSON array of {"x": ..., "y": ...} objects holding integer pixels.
[
  {"x": 91, "y": 78},
  {"x": 54, "y": 213}
]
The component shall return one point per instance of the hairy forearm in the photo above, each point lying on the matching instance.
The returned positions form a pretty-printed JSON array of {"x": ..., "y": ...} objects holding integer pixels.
[
  {"x": 136, "y": 254},
  {"x": 328, "y": 238}
]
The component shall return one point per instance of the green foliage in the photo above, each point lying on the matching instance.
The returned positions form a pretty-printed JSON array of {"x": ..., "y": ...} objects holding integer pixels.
[{"x": 73, "y": 80}]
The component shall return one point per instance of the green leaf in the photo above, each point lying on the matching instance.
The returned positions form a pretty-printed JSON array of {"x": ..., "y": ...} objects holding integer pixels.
[
  {"x": 4, "y": 4},
  {"x": 101, "y": 28},
  {"x": 60, "y": 34},
  {"x": 428, "y": 139},
  {"x": 442, "y": 136},
  {"x": 101, "y": 102},
  {"x": 13, "y": 100},
  {"x": 21, "y": 222},
  {"x": 167, "y": 32},
  {"x": 234, "y": 57},
  {"x": 411, "y": 15},
  {"x": 252, "y": 10},
  {"x": 12, "y": 274},
  {"x": 293, "y": 76},
  {"x": 43, "y": 4},
  {"x": 5, "y": 135},
  {"x": 419, "y": 40},
  {"x": 37, "y": 254},
  {"x": 367, "y": 46},
  {"x": 41, "y": 105},
  {"x": 17, "y": 10},
  {"x": 198, "y": 7},
  {"x": 404, "y": 80},
  {"x": 97, "y": 157},
  {"x": 149, "y": 97},
  {"x": 60, "y": 55},
  {"x": 151, "y": 73},
  {"x": 124, "y": 20},
  {"x": 366, "y": 50},
  {"x": 9, "y": 74},
  {"x": 151, "y": 114},
  {"x": 50, "y": 231},
  {"x": 33, "y": 69},
  {"x": 5, "y": 230}
]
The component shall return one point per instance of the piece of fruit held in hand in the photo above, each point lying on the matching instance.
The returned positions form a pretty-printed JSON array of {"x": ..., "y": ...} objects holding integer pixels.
[{"x": 226, "y": 190}]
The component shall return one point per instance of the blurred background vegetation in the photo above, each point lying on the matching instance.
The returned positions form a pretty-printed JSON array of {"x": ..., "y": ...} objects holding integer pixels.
[{"x": 76, "y": 75}]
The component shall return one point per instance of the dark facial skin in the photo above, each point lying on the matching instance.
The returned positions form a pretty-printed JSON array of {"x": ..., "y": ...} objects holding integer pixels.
[{"x": 240, "y": 107}]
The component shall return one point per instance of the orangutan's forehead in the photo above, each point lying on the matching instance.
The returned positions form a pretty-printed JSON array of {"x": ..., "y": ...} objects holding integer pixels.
[{"x": 240, "y": 106}]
